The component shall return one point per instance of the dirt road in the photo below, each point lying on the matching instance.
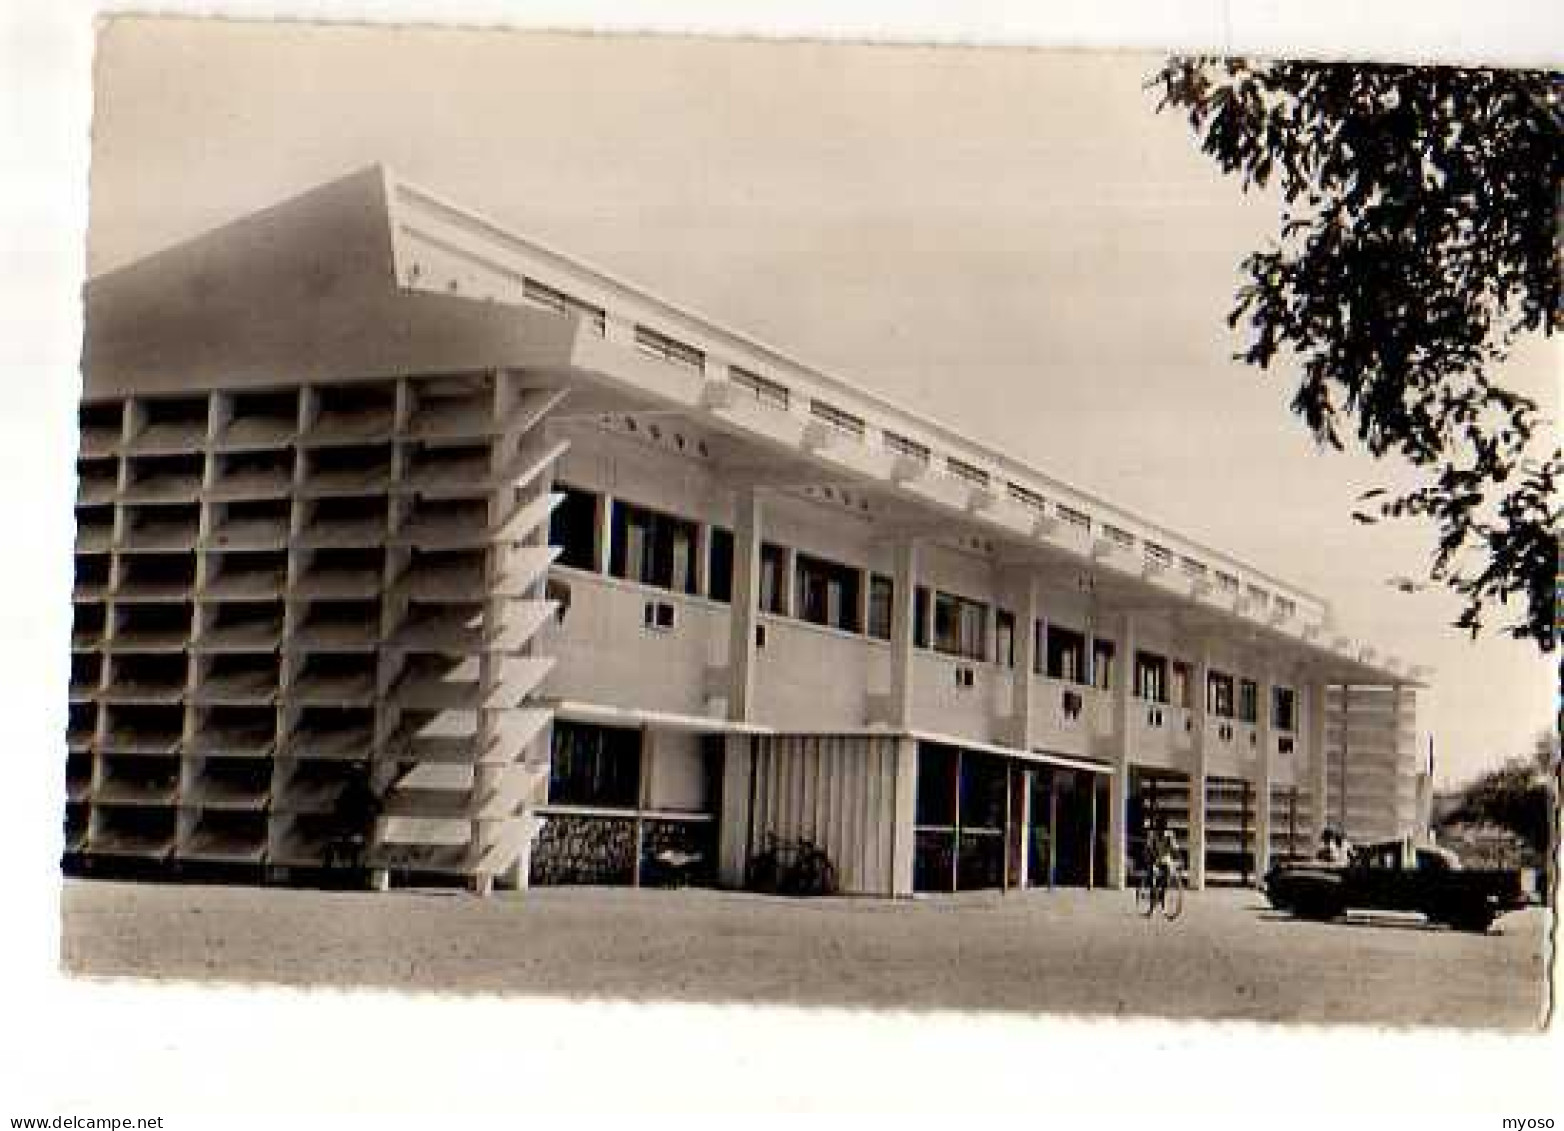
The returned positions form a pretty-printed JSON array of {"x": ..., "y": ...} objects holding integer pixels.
[{"x": 1070, "y": 952}]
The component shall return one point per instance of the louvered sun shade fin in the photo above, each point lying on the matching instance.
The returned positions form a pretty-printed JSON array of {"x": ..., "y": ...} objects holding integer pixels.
[{"x": 280, "y": 591}]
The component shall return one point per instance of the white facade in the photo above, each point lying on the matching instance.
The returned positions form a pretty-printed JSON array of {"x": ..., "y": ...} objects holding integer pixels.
[{"x": 778, "y": 606}]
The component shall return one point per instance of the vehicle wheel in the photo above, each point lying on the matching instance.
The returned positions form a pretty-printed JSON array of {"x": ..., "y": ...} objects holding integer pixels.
[
  {"x": 1173, "y": 896},
  {"x": 1144, "y": 904},
  {"x": 764, "y": 872},
  {"x": 813, "y": 874},
  {"x": 828, "y": 878},
  {"x": 1319, "y": 908},
  {"x": 1474, "y": 922}
]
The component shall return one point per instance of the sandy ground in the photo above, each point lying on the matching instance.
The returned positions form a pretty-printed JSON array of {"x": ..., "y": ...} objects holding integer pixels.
[{"x": 1070, "y": 952}]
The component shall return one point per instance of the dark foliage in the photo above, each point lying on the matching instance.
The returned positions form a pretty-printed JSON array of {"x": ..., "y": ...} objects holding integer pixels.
[
  {"x": 1514, "y": 797},
  {"x": 1418, "y": 242}
]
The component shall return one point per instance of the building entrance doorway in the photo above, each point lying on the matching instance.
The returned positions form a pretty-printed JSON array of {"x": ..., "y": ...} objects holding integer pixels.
[
  {"x": 1068, "y": 838},
  {"x": 1074, "y": 831},
  {"x": 987, "y": 821}
]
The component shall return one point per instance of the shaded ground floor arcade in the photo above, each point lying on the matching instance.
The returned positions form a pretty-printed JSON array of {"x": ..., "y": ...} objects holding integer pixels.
[
  {"x": 690, "y": 802},
  {"x": 639, "y": 799},
  {"x": 681, "y": 802},
  {"x": 1231, "y": 826}
]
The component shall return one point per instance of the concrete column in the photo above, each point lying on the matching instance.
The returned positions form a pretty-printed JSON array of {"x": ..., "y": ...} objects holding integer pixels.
[
  {"x": 1265, "y": 735},
  {"x": 788, "y": 583},
  {"x": 702, "y": 563},
  {"x": 1025, "y": 877},
  {"x": 539, "y": 754},
  {"x": 1023, "y": 681},
  {"x": 733, "y": 814},
  {"x": 605, "y": 534},
  {"x": 865, "y": 584},
  {"x": 643, "y": 794},
  {"x": 904, "y": 816},
  {"x": 903, "y": 610},
  {"x": 1118, "y": 782},
  {"x": 1197, "y": 774},
  {"x": 1089, "y": 660},
  {"x": 1313, "y": 720},
  {"x": 743, "y": 609},
  {"x": 1342, "y": 755}
]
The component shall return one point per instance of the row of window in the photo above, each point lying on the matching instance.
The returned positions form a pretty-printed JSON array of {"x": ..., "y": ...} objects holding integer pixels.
[
  {"x": 778, "y": 395},
  {"x": 661, "y": 550},
  {"x": 1161, "y": 681}
]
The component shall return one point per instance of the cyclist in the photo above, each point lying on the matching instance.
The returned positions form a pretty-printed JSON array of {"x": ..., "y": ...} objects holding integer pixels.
[
  {"x": 1333, "y": 847},
  {"x": 1161, "y": 853}
]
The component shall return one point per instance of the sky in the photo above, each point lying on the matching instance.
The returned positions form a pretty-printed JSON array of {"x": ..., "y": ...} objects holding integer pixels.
[{"x": 1011, "y": 241}]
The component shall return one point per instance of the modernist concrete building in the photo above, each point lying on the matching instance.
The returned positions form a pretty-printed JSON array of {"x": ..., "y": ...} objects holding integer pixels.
[{"x": 373, "y": 492}]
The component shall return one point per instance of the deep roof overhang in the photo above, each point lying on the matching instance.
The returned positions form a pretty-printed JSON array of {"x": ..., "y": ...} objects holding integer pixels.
[{"x": 301, "y": 292}]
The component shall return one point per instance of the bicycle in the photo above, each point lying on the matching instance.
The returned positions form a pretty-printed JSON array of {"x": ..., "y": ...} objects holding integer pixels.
[
  {"x": 1161, "y": 887},
  {"x": 791, "y": 867}
]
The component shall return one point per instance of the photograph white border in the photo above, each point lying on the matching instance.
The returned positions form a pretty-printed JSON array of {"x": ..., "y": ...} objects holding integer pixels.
[{"x": 88, "y": 1048}]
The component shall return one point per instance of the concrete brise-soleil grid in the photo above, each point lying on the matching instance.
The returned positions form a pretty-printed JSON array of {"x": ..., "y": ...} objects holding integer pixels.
[
  {"x": 279, "y": 590},
  {"x": 313, "y": 539}
]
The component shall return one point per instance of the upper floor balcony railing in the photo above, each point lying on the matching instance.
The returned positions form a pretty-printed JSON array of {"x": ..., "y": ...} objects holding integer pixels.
[
  {"x": 641, "y": 647},
  {"x": 433, "y": 233}
]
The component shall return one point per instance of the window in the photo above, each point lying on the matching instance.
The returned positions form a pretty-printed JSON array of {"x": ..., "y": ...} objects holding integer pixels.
[
  {"x": 1248, "y": 701},
  {"x": 827, "y": 593},
  {"x": 903, "y": 446},
  {"x": 1284, "y": 708},
  {"x": 659, "y": 614},
  {"x": 719, "y": 565},
  {"x": 1027, "y": 497},
  {"x": 773, "y": 572},
  {"x": 1182, "y": 679},
  {"x": 573, "y": 528},
  {"x": 536, "y": 292},
  {"x": 935, "y": 797},
  {"x": 1005, "y": 638},
  {"x": 653, "y": 548},
  {"x": 1219, "y": 694},
  {"x": 1066, "y": 651},
  {"x": 839, "y": 419},
  {"x": 985, "y": 791},
  {"x": 967, "y": 472},
  {"x": 1151, "y": 677},
  {"x": 1118, "y": 536},
  {"x": 668, "y": 349},
  {"x": 767, "y": 392},
  {"x": 1075, "y": 517},
  {"x": 593, "y": 765},
  {"x": 1102, "y": 676},
  {"x": 920, "y": 616},
  {"x": 960, "y": 626},
  {"x": 881, "y": 595}
]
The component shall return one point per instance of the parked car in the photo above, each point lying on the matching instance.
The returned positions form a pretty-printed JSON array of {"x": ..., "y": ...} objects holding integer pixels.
[{"x": 1397, "y": 876}]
